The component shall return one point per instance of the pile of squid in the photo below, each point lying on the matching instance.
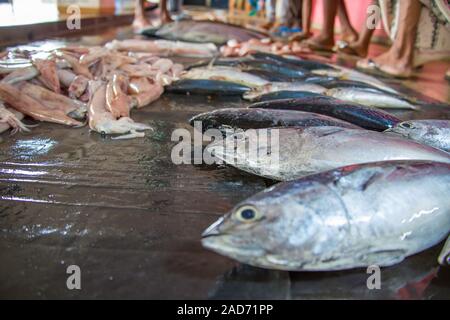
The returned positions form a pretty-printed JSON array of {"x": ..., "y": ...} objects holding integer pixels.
[{"x": 77, "y": 85}]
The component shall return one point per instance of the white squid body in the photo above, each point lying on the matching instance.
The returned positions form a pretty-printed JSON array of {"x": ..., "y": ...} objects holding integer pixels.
[{"x": 102, "y": 121}]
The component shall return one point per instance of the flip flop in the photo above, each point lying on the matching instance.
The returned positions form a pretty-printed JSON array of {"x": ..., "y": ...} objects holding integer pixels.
[{"x": 374, "y": 69}]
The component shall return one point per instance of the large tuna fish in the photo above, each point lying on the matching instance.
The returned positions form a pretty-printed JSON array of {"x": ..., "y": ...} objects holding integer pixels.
[
  {"x": 290, "y": 153},
  {"x": 369, "y": 118},
  {"x": 243, "y": 118},
  {"x": 204, "y": 31},
  {"x": 350, "y": 217}
]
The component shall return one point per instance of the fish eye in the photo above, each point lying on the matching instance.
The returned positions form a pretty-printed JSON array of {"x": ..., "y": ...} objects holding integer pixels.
[
  {"x": 247, "y": 214},
  {"x": 407, "y": 125}
]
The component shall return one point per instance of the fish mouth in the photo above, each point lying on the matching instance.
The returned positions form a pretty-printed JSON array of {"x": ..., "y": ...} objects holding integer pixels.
[
  {"x": 254, "y": 256},
  {"x": 213, "y": 238},
  {"x": 221, "y": 243}
]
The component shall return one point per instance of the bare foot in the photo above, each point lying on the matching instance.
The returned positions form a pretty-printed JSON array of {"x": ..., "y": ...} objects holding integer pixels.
[
  {"x": 299, "y": 36},
  {"x": 140, "y": 23},
  {"x": 320, "y": 42},
  {"x": 355, "y": 49},
  {"x": 389, "y": 64},
  {"x": 349, "y": 35},
  {"x": 165, "y": 18}
]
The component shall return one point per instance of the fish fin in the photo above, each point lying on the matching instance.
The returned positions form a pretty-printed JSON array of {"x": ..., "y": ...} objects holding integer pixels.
[
  {"x": 370, "y": 180},
  {"x": 211, "y": 63},
  {"x": 444, "y": 256},
  {"x": 359, "y": 180},
  {"x": 384, "y": 257}
]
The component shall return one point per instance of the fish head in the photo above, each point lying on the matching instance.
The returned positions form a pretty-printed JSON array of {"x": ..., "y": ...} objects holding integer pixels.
[
  {"x": 255, "y": 151},
  {"x": 255, "y": 92},
  {"x": 410, "y": 129},
  {"x": 335, "y": 92},
  {"x": 258, "y": 232}
]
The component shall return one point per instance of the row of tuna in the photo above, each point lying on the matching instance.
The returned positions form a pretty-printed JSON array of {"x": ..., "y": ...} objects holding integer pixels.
[
  {"x": 263, "y": 76},
  {"x": 361, "y": 186}
]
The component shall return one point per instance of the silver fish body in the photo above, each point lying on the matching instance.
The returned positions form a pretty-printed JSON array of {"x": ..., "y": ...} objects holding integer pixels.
[
  {"x": 344, "y": 73},
  {"x": 204, "y": 31},
  {"x": 435, "y": 133},
  {"x": 350, "y": 217},
  {"x": 370, "y": 98},
  {"x": 290, "y": 153},
  {"x": 225, "y": 74},
  {"x": 283, "y": 86}
]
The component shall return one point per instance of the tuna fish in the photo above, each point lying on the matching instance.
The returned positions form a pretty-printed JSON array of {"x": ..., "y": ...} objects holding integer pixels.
[
  {"x": 225, "y": 74},
  {"x": 255, "y": 93},
  {"x": 371, "y": 98},
  {"x": 350, "y": 217},
  {"x": 206, "y": 87},
  {"x": 296, "y": 152},
  {"x": 343, "y": 73},
  {"x": 277, "y": 95},
  {"x": 204, "y": 31},
  {"x": 287, "y": 70},
  {"x": 435, "y": 133},
  {"x": 243, "y": 118},
  {"x": 305, "y": 64},
  {"x": 369, "y": 118}
]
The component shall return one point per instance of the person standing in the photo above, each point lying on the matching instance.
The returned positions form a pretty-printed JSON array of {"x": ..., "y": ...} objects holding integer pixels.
[
  {"x": 420, "y": 33},
  {"x": 325, "y": 40},
  {"x": 141, "y": 22}
]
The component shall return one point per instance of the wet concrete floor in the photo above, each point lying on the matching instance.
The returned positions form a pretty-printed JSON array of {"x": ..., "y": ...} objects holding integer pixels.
[{"x": 131, "y": 220}]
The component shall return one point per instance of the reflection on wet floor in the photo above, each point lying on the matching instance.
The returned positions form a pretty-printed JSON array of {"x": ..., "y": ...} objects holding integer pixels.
[
  {"x": 132, "y": 220},
  {"x": 416, "y": 278}
]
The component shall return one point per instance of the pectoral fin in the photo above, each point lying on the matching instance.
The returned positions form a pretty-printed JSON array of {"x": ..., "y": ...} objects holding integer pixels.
[
  {"x": 444, "y": 256},
  {"x": 384, "y": 257}
]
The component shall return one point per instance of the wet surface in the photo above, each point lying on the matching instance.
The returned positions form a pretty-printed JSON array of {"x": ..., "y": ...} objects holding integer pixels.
[{"x": 131, "y": 219}]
